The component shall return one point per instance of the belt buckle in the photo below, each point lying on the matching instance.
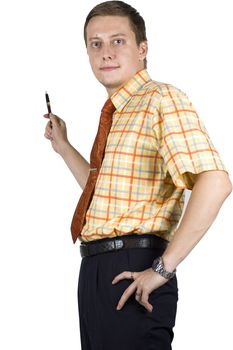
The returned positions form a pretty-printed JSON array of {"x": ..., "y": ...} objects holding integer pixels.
[{"x": 118, "y": 244}]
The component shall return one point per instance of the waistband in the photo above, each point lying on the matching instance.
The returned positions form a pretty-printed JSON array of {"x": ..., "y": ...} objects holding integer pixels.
[{"x": 146, "y": 240}]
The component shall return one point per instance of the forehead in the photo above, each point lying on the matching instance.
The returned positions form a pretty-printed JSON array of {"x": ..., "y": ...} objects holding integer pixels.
[{"x": 107, "y": 26}]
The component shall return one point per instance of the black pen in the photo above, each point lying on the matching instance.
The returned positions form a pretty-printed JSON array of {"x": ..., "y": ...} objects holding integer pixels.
[
  {"x": 48, "y": 102},
  {"x": 48, "y": 105}
]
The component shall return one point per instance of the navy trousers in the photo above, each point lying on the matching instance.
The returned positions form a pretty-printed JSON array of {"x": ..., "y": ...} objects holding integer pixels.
[{"x": 102, "y": 327}]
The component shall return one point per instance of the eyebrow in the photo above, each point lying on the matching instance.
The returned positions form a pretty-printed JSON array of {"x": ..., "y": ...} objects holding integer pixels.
[{"x": 112, "y": 36}]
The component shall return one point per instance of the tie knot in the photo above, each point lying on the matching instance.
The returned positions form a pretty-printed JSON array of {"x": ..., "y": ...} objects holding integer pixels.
[{"x": 108, "y": 107}]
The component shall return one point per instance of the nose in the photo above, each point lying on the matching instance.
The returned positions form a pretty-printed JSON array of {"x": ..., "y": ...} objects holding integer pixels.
[{"x": 108, "y": 53}]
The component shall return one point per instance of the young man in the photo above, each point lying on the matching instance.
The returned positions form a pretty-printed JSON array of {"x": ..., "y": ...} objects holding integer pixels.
[{"x": 156, "y": 147}]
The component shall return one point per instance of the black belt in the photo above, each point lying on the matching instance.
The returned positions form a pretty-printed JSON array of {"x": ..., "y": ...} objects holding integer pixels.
[{"x": 147, "y": 240}]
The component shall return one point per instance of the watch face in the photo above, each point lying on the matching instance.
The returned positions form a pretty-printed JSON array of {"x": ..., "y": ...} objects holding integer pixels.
[
  {"x": 159, "y": 267},
  {"x": 157, "y": 264}
]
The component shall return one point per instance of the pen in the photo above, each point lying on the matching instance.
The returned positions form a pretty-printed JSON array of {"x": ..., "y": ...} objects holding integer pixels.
[
  {"x": 48, "y": 105},
  {"x": 48, "y": 102}
]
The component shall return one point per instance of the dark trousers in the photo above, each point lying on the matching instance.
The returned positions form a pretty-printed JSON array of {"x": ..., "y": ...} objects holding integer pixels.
[{"x": 102, "y": 327}]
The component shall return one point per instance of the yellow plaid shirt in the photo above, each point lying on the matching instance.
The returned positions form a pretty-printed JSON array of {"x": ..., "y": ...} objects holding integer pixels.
[{"x": 156, "y": 145}]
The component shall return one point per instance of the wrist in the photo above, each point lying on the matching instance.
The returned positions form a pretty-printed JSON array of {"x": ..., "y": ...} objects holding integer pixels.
[
  {"x": 159, "y": 267},
  {"x": 64, "y": 148},
  {"x": 170, "y": 263}
]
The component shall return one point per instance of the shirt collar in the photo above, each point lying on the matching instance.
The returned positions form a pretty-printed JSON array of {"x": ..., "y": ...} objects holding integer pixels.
[{"x": 122, "y": 96}]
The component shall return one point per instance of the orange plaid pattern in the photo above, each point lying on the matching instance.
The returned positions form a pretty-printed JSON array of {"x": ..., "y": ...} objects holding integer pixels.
[{"x": 156, "y": 145}]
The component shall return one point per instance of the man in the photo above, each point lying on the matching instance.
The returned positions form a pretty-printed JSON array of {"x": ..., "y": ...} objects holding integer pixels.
[{"x": 156, "y": 147}]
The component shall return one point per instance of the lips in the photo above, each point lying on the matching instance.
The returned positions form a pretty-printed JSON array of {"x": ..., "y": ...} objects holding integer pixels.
[{"x": 108, "y": 69}]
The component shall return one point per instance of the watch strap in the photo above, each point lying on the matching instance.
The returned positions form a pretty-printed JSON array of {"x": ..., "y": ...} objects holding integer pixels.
[{"x": 158, "y": 266}]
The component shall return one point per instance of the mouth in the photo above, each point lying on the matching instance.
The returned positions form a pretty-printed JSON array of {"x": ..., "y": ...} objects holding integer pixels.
[{"x": 109, "y": 69}]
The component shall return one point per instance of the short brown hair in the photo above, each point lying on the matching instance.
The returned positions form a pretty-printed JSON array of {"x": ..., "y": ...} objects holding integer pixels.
[{"x": 120, "y": 8}]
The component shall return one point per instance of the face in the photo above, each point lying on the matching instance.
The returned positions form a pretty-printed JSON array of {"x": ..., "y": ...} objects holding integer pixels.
[{"x": 113, "y": 52}]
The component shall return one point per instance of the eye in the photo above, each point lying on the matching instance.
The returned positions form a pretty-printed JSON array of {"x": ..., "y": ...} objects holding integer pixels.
[
  {"x": 118, "y": 42},
  {"x": 95, "y": 44}
]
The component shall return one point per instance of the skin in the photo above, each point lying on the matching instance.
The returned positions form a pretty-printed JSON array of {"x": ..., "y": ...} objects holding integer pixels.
[
  {"x": 113, "y": 52},
  {"x": 202, "y": 209},
  {"x": 115, "y": 57}
]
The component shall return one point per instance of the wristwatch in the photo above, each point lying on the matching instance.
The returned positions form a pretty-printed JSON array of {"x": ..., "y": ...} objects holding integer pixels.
[{"x": 158, "y": 266}]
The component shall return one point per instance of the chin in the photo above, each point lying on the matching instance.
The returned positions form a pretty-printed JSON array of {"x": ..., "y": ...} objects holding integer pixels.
[{"x": 111, "y": 83}]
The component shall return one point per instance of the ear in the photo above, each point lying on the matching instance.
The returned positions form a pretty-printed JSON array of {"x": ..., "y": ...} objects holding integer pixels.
[{"x": 143, "y": 49}]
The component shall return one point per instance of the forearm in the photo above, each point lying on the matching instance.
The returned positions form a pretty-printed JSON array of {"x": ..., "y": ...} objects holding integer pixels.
[
  {"x": 76, "y": 163},
  {"x": 207, "y": 197}
]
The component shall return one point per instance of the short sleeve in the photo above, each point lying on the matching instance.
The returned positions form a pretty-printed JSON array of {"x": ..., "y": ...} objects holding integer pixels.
[{"x": 185, "y": 145}]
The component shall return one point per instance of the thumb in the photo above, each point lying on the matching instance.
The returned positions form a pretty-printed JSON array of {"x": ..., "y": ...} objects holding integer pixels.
[{"x": 54, "y": 118}]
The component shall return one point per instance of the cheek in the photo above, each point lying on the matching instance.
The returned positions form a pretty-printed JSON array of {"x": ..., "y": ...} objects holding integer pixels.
[
  {"x": 131, "y": 56},
  {"x": 93, "y": 61}
]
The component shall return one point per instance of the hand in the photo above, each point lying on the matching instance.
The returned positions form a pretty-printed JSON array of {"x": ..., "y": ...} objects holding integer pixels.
[
  {"x": 56, "y": 132},
  {"x": 144, "y": 283}
]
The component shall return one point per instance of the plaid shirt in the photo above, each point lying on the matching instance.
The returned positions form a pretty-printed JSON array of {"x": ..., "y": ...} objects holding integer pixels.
[{"x": 156, "y": 145}]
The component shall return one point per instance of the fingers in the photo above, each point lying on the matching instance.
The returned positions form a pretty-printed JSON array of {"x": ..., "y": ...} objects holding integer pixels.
[
  {"x": 125, "y": 296},
  {"x": 54, "y": 118},
  {"x": 123, "y": 275},
  {"x": 48, "y": 131},
  {"x": 48, "y": 135},
  {"x": 141, "y": 294},
  {"x": 54, "y": 121},
  {"x": 49, "y": 115},
  {"x": 144, "y": 301}
]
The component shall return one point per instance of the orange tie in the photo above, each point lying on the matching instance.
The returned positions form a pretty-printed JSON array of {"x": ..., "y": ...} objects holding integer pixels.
[{"x": 96, "y": 158}]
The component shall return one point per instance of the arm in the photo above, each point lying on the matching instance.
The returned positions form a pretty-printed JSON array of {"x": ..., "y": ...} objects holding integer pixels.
[
  {"x": 56, "y": 132},
  {"x": 78, "y": 165},
  {"x": 209, "y": 192}
]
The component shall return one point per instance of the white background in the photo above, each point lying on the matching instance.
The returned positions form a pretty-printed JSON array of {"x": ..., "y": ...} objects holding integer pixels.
[{"x": 42, "y": 48}]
